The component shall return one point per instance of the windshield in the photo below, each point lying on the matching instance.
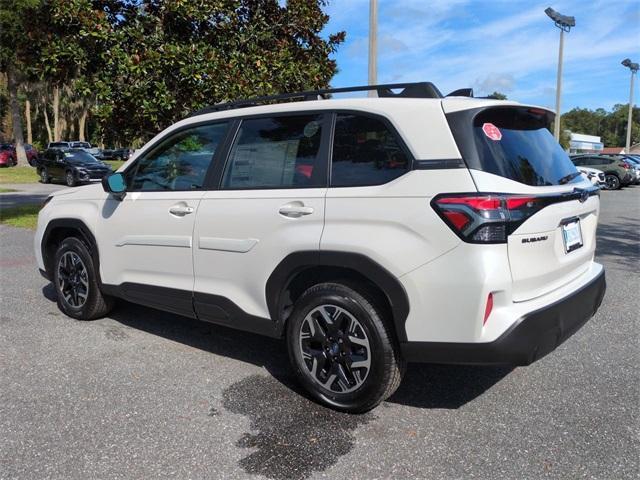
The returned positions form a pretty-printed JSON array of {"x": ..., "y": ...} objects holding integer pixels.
[
  {"x": 81, "y": 145},
  {"x": 79, "y": 156},
  {"x": 58, "y": 145}
]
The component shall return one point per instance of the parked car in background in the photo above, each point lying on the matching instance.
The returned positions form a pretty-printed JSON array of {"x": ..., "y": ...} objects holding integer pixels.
[
  {"x": 87, "y": 147},
  {"x": 7, "y": 155},
  {"x": 71, "y": 166},
  {"x": 617, "y": 172},
  {"x": 596, "y": 177},
  {"x": 32, "y": 154},
  {"x": 58, "y": 145},
  {"x": 635, "y": 164},
  {"x": 116, "y": 154}
]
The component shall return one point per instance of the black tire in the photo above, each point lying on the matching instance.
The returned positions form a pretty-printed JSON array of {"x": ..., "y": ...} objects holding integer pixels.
[
  {"x": 96, "y": 304},
  {"x": 386, "y": 364},
  {"x": 44, "y": 175},
  {"x": 70, "y": 179},
  {"x": 613, "y": 182}
]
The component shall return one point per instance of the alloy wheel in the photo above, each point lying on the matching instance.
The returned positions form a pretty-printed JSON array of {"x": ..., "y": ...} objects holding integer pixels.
[
  {"x": 612, "y": 182},
  {"x": 335, "y": 349},
  {"x": 73, "y": 279},
  {"x": 43, "y": 175},
  {"x": 70, "y": 181}
]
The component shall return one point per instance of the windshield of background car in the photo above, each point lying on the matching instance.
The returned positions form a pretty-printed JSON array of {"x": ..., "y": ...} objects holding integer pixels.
[
  {"x": 515, "y": 143},
  {"x": 80, "y": 145},
  {"x": 6, "y": 147},
  {"x": 79, "y": 157}
]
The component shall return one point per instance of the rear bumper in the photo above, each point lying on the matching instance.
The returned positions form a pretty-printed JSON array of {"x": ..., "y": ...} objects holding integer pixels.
[{"x": 530, "y": 338}]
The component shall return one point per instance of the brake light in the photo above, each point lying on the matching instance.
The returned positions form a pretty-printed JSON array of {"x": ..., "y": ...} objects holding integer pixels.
[
  {"x": 486, "y": 218},
  {"x": 625, "y": 165}
]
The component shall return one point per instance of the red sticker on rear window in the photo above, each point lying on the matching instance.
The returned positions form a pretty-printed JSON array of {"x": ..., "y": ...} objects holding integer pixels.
[{"x": 492, "y": 132}]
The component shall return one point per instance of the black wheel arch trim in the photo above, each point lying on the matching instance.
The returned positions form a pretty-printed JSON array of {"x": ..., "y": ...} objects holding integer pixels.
[
  {"x": 297, "y": 262},
  {"x": 86, "y": 234}
]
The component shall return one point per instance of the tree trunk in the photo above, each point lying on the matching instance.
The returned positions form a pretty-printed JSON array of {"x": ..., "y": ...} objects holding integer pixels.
[
  {"x": 81, "y": 124},
  {"x": 14, "y": 106},
  {"x": 56, "y": 114},
  {"x": 70, "y": 132},
  {"x": 27, "y": 114},
  {"x": 46, "y": 122}
]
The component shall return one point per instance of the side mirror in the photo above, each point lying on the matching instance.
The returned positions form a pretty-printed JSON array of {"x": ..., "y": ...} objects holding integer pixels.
[{"x": 115, "y": 185}]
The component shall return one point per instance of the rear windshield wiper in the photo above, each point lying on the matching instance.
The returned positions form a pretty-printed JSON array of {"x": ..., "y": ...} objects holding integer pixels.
[{"x": 568, "y": 178}]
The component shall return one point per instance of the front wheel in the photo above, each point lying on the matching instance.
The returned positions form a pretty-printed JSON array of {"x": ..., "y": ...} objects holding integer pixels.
[
  {"x": 342, "y": 348},
  {"x": 44, "y": 175},
  {"x": 613, "y": 182},
  {"x": 76, "y": 282}
]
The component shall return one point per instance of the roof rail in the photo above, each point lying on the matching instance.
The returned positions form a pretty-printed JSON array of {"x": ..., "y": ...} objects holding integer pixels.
[{"x": 409, "y": 90}]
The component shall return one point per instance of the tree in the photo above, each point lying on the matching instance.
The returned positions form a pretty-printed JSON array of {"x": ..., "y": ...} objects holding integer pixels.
[
  {"x": 611, "y": 127},
  {"x": 131, "y": 68},
  {"x": 173, "y": 57},
  {"x": 14, "y": 16},
  {"x": 497, "y": 96}
]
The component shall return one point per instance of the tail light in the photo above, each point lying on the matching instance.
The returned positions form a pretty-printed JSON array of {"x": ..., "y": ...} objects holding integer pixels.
[
  {"x": 486, "y": 218},
  {"x": 625, "y": 165}
]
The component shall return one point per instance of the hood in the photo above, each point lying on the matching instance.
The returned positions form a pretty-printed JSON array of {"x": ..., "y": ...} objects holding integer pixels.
[{"x": 91, "y": 191}]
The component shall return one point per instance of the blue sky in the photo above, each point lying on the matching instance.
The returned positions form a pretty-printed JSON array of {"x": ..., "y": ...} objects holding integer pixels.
[{"x": 509, "y": 46}]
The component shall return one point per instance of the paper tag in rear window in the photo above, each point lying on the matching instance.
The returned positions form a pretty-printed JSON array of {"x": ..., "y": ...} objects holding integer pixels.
[{"x": 492, "y": 132}]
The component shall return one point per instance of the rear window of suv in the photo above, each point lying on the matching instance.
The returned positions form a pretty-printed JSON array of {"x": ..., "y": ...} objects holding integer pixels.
[{"x": 515, "y": 143}]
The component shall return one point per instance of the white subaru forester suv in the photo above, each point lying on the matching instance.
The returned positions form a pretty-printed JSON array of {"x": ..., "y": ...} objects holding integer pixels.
[{"x": 368, "y": 232}]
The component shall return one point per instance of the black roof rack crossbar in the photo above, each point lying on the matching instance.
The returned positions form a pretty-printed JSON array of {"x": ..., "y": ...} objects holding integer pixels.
[{"x": 409, "y": 90}]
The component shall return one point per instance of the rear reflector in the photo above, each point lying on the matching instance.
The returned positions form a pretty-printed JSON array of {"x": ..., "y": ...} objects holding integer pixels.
[{"x": 488, "y": 308}]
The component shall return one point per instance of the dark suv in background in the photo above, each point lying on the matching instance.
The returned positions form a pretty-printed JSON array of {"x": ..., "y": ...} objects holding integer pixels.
[
  {"x": 71, "y": 166},
  {"x": 618, "y": 173}
]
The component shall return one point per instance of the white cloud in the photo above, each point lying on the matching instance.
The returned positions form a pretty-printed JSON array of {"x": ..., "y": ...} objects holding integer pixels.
[{"x": 502, "y": 82}]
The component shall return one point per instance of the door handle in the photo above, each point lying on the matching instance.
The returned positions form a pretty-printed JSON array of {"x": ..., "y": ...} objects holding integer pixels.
[
  {"x": 293, "y": 210},
  {"x": 180, "y": 210}
]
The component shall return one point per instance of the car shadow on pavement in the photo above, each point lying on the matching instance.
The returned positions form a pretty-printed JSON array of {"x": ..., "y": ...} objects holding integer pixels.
[
  {"x": 291, "y": 436},
  {"x": 445, "y": 386},
  {"x": 424, "y": 385},
  {"x": 620, "y": 240}
]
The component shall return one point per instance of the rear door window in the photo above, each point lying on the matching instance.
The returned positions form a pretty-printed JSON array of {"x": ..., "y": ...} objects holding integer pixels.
[
  {"x": 277, "y": 152},
  {"x": 365, "y": 152}
]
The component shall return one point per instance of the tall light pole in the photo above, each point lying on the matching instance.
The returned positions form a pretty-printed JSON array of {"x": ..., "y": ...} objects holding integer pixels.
[
  {"x": 634, "y": 69},
  {"x": 564, "y": 23},
  {"x": 373, "y": 45}
]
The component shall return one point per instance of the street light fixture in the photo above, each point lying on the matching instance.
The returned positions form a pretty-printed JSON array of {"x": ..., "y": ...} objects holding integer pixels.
[
  {"x": 634, "y": 69},
  {"x": 564, "y": 23}
]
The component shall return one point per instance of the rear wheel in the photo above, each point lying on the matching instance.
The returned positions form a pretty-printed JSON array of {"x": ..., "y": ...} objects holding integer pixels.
[
  {"x": 44, "y": 175},
  {"x": 76, "y": 282},
  {"x": 613, "y": 182},
  {"x": 342, "y": 349},
  {"x": 70, "y": 179}
]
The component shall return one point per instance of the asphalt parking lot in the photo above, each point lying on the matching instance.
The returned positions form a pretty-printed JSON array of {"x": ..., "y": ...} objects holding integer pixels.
[{"x": 145, "y": 394}]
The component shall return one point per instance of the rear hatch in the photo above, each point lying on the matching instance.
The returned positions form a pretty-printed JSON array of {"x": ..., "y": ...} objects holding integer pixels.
[{"x": 552, "y": 210}]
